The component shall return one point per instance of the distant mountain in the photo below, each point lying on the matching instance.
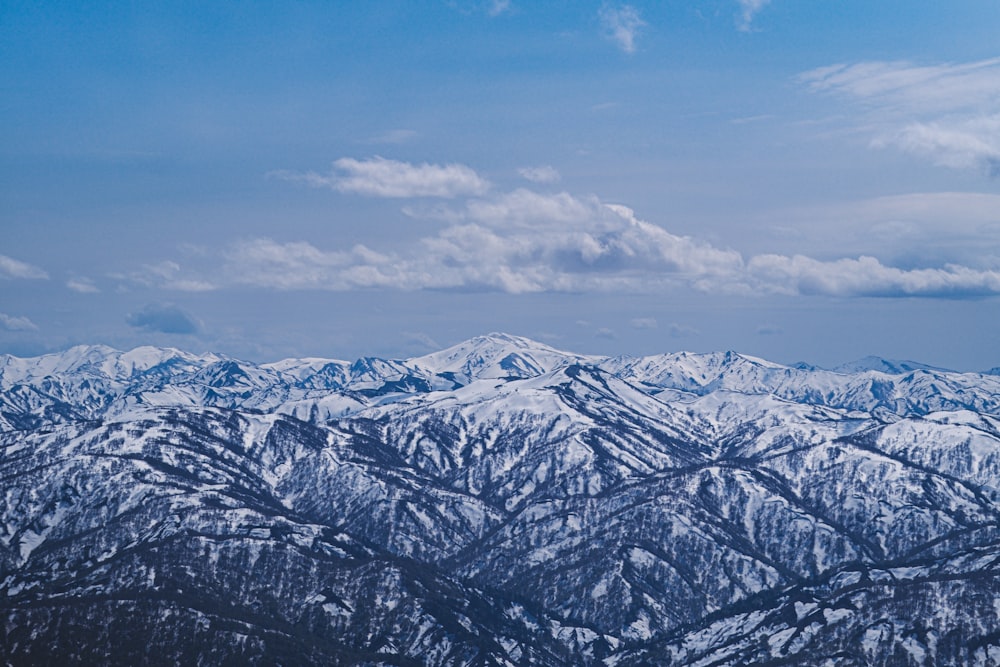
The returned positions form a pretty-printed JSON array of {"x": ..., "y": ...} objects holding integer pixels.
[
  {"x": 887, "y": 366},
  {"x": 499, "y": 502}
]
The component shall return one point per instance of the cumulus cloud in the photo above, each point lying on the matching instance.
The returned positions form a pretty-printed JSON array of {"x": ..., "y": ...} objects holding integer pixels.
[
  {"x": 11, "y": 323},
  {"x": 749, "y": 9},
  {"x": 163, "y": 318},
  {"x": 541, "y": 174},
  {"x": 622, "y": 25},
  {"x": 523, "y": 241},
  {"x": 949, "y": 114},
  {"x": 12, "y": 268},
  {"x": 380, "y": 177}
]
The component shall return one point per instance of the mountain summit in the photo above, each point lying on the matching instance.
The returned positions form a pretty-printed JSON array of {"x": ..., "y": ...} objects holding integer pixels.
[{"x": 499, "y": 502}]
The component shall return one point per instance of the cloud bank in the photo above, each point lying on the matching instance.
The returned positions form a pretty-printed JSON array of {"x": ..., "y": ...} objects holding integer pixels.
[{"x": 524, "y": 241}]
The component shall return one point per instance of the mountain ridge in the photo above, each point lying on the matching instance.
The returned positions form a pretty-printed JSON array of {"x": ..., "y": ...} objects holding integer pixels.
[{"x": 496, "y": 503}]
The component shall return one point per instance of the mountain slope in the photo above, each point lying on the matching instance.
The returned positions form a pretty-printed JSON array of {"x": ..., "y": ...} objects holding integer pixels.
[{"x": 496, "y": 503}]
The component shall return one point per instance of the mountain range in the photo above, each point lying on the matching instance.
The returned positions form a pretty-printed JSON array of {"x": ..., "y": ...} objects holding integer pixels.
[{"x": 499, "y": 502}]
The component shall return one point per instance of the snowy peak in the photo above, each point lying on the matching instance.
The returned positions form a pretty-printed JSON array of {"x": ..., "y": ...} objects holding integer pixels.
[{"x": 496, "y": 355}]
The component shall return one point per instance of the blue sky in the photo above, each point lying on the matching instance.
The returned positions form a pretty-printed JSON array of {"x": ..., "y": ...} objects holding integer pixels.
[{"x": 809, "y": 181}]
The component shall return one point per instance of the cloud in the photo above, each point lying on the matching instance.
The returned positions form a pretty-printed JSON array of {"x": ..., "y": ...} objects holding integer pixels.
[
  {"x": 541, "y": 174},
  {"x": 16, "y": 323},
  {"x": 605, "y": 332},
  {"x": 909, "y": 89},
  {"x": 524, "y": 241},
  {"x": 167, "y": 275},
  {"x": 300, "y": 265},
  {"x": 82, "y": 285},
  {"x": 622, "y": 25},
  {"x": 497, "y": 7},
  {"x": 643, "y": 323},
  {"x": 948, "y": 113},
  {"x": 866, "y": 276},
  {"x": 12, "y": 268},
  {"x": 163, "y": 318},
  {"x": 681, "y": 330},
  {"x": 379, "y": 177},
  {"x": 749, "y": 9},
  {"x": 973, "y": 142}
]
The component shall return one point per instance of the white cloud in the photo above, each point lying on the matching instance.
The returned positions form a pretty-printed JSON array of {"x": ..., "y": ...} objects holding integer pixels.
[
  {"x": 167, "y": 275},
  {"x": 498, "y": 7},
  {"x": 12, "y": 268},
  {"x": 17, "y": 323},
  {"x": 682, "y": 330},
  {"x": 973, "y": 142},
  {"x": 541, "y": 174},
  {"x": 749, "y": 9},
  {"x": 379, "y": 177},
  {"x": 622, "y": 25},
  {"x": 912, "y": 89},
  {"x": 524, "y": 241},
  {"x": 949, "y": 114},
  {"x": 643, "y": 323},
  {"x": 82, "y": 285},
  {"x": 866, "y": 276}
]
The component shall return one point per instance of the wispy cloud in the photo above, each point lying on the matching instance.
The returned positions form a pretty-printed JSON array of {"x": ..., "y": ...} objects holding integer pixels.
[
  {"x": 166, "y": 275},
  {"x": 82, "y": 285},
  {"x": 13, "y": 268},
  {"x": 959, "y": 144},
  {"x": 681, "y": 330},
  {"x": 163, "y": 318},
  {"x": 11, "y": 323},
  {"x": 540, "y": 174},
  {"x": 949, "y": 113},
  {"x": 497, "y": 7},
  {"x": 622, "y": 25},
  {"x": 643, "y": 323},
  {"x": 748, "y": 10},
  {"x": 380, "y": 177}
]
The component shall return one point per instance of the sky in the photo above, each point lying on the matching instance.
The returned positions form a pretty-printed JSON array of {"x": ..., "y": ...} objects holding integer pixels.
[{"x": 801, "y": 181}]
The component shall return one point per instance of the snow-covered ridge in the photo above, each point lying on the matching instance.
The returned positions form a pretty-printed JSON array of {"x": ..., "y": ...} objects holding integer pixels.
[
  {"x": 500, "y": 502},
  {"x": 96, "y": 381}
]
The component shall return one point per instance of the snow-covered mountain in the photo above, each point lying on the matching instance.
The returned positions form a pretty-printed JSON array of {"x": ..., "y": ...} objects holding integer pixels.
[{"x": 499, "y": 502}]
